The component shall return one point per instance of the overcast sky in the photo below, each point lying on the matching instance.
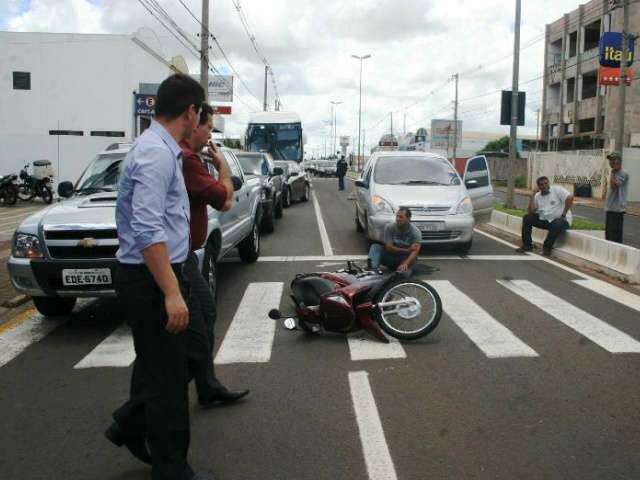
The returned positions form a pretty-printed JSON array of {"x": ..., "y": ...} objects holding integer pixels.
[{"x": 416, "y": 46}]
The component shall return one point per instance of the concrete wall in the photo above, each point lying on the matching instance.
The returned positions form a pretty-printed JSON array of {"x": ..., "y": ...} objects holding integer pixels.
[
  {"x": 632, "y": 167},
  {"x": 78, "y": 82},
  {"x": 499, "y": 167}
]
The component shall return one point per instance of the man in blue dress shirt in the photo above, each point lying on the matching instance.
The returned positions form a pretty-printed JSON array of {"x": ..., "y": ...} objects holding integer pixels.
[{"x": 152, "y": 216}]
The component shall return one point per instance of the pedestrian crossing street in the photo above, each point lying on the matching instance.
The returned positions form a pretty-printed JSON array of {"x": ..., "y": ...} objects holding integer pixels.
[{"x": 251, "y": 335}]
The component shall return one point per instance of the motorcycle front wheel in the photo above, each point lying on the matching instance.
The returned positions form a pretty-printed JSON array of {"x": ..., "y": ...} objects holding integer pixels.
[
  {"x": 408, "y": 309},
  {"x": 47, "y": 195}
]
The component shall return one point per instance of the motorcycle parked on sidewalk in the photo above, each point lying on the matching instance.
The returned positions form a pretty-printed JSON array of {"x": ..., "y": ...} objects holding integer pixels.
[
  {"x": 38, "y": 184},
  {"x": 354, "y": 299},
  {"x": 8, "y": 189}
]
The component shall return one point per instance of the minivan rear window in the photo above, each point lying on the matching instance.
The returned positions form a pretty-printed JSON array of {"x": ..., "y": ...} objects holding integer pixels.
[{"x": 415, "y": 171}]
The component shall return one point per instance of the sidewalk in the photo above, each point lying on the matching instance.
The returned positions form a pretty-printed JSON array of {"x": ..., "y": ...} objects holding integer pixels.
[{"x": 633, "y": 208}]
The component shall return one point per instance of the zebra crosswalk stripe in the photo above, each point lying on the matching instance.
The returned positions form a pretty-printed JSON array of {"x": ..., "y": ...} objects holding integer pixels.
[
  {"x": 493, "y": 338},
  {"x": 612, "y": 292},
  {"x": 114, "y": 351},
  {"x": 364, "y": 347},
  {"x": 599, "y": 332},
  {"x": 249, "y": 338}
]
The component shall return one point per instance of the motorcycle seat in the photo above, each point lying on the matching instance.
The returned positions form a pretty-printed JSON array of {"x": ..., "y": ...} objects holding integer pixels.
[{"x": 308, "y": 290}]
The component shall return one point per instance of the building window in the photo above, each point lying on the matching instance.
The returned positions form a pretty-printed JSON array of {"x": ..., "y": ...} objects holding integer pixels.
[
  {"x": 572, "y": 45},
  {"x": 568, "y": 128},
  {"x": 22, "y": 80},
  {"x": 589, "y": 84},
  {"x": 553, "y": 95},
  {"x": 571, "y": 90},
  {"x": 106, "y": 133},
  {"x": 587, "y": 125},
  {"x": 555, "y": 52},
  {"x": 592, "y": 36}
]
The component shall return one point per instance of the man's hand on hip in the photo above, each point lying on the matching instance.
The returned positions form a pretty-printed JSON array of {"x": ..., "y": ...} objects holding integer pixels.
[
  {"x": 402, "y": 268},
  {"x": 177, "y": 313}
]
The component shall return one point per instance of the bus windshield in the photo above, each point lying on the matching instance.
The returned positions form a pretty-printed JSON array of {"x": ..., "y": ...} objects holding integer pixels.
[{"x": 282, "y": 140}]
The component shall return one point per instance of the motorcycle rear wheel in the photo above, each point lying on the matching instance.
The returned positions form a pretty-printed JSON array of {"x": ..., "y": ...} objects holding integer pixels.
[
  {"x": 10, "y": 196},
  {"x": 25, "y": 193},
  {"x": 411, "y": 321}
]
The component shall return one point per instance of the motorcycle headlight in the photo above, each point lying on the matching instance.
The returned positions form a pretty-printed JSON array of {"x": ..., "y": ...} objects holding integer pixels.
[
  {"x": 263, "y": 195},
  {"x": 26, "y": 246},
  {"x": 380, "y": 205},
  {"x": 465, "y": 207}
]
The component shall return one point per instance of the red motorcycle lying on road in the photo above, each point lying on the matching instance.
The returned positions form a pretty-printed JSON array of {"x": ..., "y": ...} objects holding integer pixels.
[{"x": 354, "y": 299}]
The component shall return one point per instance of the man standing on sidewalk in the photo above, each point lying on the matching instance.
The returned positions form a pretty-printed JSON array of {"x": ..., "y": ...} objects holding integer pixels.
[
  {"x": 549, "y": 209},
  {"x": 616, "y": 199},
  {"x": 204, "y": 190},
  {"x": 152, "y": 216},
  {"x": 341, "y": 171}
]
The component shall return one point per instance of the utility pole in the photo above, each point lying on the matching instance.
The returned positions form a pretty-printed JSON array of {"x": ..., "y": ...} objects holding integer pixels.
[
  {"x": 364, "y": 134},
  {"x": 514, "y": 110},
  {"x": 404, "y": 123},
  {"x": 391, "y": 114},
  {"x": 537, "y": 129},
  {"x": 204, "y": 49},
  {"x": 266, "y": 72},
  {"x": 623, "y": 77},
  {"x": 334, "y": 124},
  {"x": 455, "y": 122},
  {"x": 360, "y": 58}
]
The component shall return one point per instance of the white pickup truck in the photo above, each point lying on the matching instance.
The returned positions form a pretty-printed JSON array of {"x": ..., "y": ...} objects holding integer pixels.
[{"x": 67, "y": 250}]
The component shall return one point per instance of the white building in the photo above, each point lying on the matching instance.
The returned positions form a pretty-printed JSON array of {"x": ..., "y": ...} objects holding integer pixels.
[{"x": 76, "y": 84}]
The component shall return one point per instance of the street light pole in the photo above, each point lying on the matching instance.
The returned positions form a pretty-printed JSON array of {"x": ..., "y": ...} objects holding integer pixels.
[
  {"x": 514, "y": 110},
  {"x": 204, "y": 49},
  {"x": 334, "y": 116},
  {"x": 623, "y": 78},
  {"x": 361, "y": 58}
]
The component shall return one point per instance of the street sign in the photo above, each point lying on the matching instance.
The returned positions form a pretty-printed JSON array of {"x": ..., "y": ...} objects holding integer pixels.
[
  {"x": 145, "y": 104},
  {"x": 611, "y": 49},
  {"x": 611, "y": 76},
  {"x": 220, "y": 87},
  {"x": 505, "y": 110},
  {"x": 221, "y": 109}
]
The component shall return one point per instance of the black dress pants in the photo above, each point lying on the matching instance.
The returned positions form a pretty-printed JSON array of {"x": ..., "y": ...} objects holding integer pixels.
[
  {"x": 555, "y": 228},
  {"x": 613, "y": 227},
  {"x": 158, "y": 406},
  {"x": 202, "y": 319}
]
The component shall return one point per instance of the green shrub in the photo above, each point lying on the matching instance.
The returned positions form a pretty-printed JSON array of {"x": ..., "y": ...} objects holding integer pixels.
[{"x": 521, "y": 181}]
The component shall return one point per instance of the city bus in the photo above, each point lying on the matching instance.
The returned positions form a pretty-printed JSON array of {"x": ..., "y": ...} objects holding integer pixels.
[{"x": 278, "y": 133}]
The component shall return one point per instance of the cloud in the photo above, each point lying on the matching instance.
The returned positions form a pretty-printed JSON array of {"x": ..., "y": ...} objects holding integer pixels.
[{"x": 416, "y": 47}]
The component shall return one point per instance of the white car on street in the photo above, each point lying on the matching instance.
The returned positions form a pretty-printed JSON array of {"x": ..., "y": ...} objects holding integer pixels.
[{"x": 444, "y": 206}]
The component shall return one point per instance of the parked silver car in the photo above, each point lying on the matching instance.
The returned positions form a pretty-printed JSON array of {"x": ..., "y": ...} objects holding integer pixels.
[
  {"x": 297, "y": 186},
  {"x": 67, "y": 250},
  {"x": 443, "y": 206}
]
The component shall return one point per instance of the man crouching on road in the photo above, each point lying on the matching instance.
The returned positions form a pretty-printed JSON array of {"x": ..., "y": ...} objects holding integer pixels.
[
  {"x": 204, "y": 190},
  {"x": 549, "y": 209},
  {"x": 401, "y": 245}
]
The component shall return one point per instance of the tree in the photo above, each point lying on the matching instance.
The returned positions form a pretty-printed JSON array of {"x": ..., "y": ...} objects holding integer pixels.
[
  {"x": 499, "y": 145},
  {"x": 232, "y": 143}
]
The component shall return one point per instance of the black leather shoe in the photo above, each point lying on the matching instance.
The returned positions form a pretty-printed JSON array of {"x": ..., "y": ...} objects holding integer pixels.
[
  {"x": 135, "y": 444},
  {"x": 223, "y": 397}
]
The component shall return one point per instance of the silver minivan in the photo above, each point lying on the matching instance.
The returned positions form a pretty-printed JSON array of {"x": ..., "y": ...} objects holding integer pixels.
[{"x": 443, "y": 206}]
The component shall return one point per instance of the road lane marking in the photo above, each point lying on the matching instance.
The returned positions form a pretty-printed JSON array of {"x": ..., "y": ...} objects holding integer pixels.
[
  {"x": 24, "y": 330},
  {"x": 493, "y": 338},
  {"x": 344, "y": 258},
  {"x": 612, "y": 292},
  {"x": 249, "y": 338},
  {"x": 374, "y": 444},
  {"x": 114, "y": 351},
  {"x": 364, "y": 347},
  {"x": 599, "y": 332},
  {"x": 324, "y": 236}
]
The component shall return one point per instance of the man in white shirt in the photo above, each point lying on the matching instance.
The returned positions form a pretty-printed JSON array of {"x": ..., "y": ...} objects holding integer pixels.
[{"x": 550, "y": 209}]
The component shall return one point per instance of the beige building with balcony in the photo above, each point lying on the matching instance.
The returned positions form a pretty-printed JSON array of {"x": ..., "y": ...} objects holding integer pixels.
[{"x": 577, "y": 112}]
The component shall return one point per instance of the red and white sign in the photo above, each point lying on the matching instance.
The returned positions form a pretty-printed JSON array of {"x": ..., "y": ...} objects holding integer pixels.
[
  {"x": 611, "y": 76},
  {"x": 222, "y": 110}
]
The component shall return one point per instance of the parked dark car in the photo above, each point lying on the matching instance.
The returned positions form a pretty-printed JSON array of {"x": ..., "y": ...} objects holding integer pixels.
[
  {"x": 261, "y": 165},
  {"x": 296, "y": 185}
]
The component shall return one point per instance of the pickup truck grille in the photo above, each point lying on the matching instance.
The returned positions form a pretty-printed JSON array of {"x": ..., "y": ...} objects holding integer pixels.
[
  {"x": 100, "y": 251},
  {"x": 82, "y": 244}
]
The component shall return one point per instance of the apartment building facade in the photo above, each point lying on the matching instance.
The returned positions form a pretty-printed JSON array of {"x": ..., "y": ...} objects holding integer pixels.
[{"x": 577, "y": 112}]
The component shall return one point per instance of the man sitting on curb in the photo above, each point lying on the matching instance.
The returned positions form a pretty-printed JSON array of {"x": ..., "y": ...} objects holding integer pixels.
[
  {"x": 549, "y": 209},
  {"x": 401, "y": 245}
]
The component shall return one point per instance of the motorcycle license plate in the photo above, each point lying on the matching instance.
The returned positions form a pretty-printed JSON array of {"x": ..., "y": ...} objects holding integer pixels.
[
  {"x": 431, "y": 226},
  {"x": 72, "y": 277}
]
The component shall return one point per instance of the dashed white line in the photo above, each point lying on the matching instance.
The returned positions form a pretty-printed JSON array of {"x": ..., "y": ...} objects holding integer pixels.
[
  {"x": 374, "y": 444},
  {"x": 324, "y": 236}
]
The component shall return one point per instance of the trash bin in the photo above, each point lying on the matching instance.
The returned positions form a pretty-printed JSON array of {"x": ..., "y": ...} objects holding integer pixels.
[{"x": 582, "y": 190}]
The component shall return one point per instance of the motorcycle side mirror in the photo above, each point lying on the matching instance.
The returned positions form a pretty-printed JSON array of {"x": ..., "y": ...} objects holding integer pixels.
[
  {"x": 274, "y": 314},
  {"x": 65, "y": 189},
  {"x": 290, "y": 324}
]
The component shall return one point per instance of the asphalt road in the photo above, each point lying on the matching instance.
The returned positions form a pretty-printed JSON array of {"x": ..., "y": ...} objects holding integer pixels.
[
  {"x": 535, "y": 377},
  {"x": 631, "y": 229}
]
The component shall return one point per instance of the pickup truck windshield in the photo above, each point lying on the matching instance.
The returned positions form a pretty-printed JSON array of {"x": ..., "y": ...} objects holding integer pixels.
[
  {"x": 415, "y": 171},
  {"x": 102, "y": 174}
]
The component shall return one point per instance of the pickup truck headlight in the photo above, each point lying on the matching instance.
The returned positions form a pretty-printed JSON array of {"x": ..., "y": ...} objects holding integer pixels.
[
  {"x": 465, "y": 207},
  {"x": 380, "y": 205},
  {"x": 263, "y": 195},
  {"x": 26, "y": 246}
]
